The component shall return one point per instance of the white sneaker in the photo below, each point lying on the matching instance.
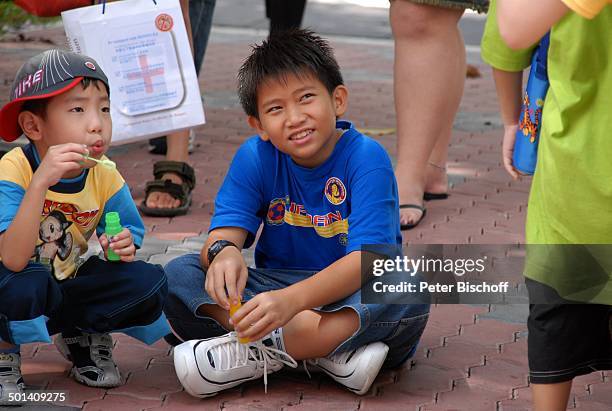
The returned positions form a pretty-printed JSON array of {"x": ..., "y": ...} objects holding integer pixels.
[
  {"x": 11, "y": 381},
  {"x": 92, "y": 359},
  {"x": 205, "y": 367},
  {"x": 355, "y": 369}
]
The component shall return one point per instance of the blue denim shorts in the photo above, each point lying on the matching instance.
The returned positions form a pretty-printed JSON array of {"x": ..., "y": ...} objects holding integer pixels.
[{"x": 398, "y": 326}]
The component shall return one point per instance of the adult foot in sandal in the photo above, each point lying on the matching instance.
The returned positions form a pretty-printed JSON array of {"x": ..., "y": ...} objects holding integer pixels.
[
  {"x": 411, "y": 224},
  {"x": 436, "y": 187},
  {"x": 169, "y": 194},
  {"x": 409, "y": 195},
  {"x": 158, "y": 199}
]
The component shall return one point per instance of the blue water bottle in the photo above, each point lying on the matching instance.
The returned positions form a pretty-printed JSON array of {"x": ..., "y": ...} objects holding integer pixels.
[{"x": 525, "y": 153}]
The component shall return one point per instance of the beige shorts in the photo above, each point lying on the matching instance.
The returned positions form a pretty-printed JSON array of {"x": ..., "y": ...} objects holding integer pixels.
[{"x": 481, "y": 6}]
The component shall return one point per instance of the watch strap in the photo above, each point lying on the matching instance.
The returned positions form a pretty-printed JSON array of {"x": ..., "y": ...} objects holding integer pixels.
[{"x": 216, "y": 247}]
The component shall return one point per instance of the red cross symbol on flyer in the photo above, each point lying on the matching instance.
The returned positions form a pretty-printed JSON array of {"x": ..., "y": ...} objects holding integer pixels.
[{"x": 146, "y": 74}]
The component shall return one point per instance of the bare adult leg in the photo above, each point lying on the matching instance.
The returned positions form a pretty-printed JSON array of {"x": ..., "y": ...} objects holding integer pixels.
[
  {"x": 178, "y": 142},
  {"x": 436, "y": 180},
  {"x": 429, "y": 73},
  {"x": 551, "y": 397}
]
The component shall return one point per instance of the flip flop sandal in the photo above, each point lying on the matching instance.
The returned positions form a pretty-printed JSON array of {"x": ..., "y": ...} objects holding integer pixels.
[
  {"x": 181, "y": 191},
  {"x": 417, "y": 222},
  {"x": 434, "y": 196}
]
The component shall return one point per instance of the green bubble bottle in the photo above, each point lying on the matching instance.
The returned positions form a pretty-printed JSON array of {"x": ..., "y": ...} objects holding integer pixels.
[{"x": 113, "y": 227}]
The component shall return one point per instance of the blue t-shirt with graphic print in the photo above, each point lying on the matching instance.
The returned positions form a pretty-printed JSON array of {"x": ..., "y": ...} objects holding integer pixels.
[{"x": 311, "y": 217}]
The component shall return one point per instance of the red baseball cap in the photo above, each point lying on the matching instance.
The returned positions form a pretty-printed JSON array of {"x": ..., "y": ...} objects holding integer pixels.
[{"x": 45, "y": 75}]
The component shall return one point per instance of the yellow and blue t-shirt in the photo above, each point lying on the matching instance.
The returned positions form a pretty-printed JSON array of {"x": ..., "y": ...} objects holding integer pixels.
[
  {"x": 73, "y": 209},
  {"x": 311, "y": 216}
]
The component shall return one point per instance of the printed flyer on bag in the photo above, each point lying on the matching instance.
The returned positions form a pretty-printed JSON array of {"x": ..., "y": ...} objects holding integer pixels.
[{"x": 144, "y": 49}]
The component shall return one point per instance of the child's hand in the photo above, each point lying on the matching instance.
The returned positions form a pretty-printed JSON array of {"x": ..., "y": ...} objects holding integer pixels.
[
  {"x": 262, "y": 314},
  {"x": 508, "y": 150},
  {"x": 227, "y": 271},
  {"x": 122, "y": 244},
  {"x": 58, "y": 161}
]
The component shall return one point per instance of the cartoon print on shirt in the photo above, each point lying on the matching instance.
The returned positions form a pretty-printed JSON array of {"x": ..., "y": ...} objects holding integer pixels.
[{"x": 56, "y": 241}]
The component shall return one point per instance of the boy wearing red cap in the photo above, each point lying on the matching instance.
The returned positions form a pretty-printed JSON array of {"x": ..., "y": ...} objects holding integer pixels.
[{"x": 54, "y": 198}]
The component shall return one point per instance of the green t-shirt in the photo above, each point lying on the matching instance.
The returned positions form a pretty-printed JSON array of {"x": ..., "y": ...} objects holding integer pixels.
[{"x": 571, "y": 194}]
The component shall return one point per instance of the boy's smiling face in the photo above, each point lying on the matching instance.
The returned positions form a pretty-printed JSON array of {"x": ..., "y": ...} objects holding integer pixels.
[
  {"x": 298, "y": 115},
  {"x": 80, "y": 115}
]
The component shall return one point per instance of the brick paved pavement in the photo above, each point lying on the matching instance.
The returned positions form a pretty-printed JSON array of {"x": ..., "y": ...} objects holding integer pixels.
[{"x": 470, "y": 357}]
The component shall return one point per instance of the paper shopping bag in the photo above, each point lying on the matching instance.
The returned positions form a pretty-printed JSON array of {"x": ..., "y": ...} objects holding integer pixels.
[{"x": 143, "y": 48}]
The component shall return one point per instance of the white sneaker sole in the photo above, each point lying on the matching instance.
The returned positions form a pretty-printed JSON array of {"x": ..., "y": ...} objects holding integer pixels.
[
  {"x": 17, "y": 390},
  {"x": 96, "y": 384},
  {"x": 372, "y": 363}
]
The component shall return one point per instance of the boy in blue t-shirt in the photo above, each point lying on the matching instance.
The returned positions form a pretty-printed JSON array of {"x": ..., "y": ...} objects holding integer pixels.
[
  {"x": 54, "y": 199},
  {"x": 322, "y": 190}
]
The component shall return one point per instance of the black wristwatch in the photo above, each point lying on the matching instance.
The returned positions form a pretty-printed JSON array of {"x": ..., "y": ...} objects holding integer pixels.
[{"x": 216, "y": 247}]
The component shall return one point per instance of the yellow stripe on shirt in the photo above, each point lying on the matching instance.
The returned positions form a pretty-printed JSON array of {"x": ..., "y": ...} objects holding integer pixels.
[{"x": 335, "y": 228}]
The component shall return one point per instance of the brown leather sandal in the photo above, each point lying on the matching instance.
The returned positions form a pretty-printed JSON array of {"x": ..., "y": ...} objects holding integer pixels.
[{"x": 181, "y": 191}]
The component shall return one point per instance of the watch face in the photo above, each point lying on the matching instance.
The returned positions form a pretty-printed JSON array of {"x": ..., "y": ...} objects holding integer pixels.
[
  {"x": 213, "y": 251},
  {"x": 216, "y": 248}
]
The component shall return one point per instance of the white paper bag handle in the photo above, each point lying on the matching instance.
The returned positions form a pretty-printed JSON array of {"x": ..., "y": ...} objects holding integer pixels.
[{"x": 104, "y": 5}]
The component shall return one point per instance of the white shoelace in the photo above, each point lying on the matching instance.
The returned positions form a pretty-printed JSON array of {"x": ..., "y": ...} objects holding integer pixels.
[
  {"x": 241, "y": 353},
  {"x": 304, "y": 363}
]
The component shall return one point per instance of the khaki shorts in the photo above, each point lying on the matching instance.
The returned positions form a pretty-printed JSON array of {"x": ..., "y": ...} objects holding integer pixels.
[{"x": 481, "y": 6}]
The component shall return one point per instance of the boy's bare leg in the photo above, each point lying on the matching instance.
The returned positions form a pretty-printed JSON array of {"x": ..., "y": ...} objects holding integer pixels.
[
  {"x": 310, "y": 334},
  {"x": 217, "y": 313},
  {"x": 551, "y": 397},
  {"x": 6, "y": 346}
]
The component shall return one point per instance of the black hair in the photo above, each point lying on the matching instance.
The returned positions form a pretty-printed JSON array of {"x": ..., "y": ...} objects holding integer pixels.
[
  {"x": 296, "y": 51},
  {"x": 39, "y": 106}
]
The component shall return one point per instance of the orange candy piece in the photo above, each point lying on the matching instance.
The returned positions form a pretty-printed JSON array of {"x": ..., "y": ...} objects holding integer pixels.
[{"x": 232, "y": 311}]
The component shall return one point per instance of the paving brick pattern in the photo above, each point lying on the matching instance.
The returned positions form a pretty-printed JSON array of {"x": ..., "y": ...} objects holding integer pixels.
[{"x": 470, "y": 358}]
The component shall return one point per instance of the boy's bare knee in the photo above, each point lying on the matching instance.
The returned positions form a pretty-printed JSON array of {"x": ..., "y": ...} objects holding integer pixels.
[
  {"x": 216, "y": 313},
  {"x": 346, "y": 318}
]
